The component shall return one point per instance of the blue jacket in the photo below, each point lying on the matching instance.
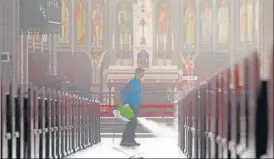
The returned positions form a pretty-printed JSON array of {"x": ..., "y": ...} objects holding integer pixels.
[{"x": 131, "y": 94}]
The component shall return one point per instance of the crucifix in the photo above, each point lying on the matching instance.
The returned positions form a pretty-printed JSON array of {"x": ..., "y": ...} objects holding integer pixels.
[
  {"x": 141, "y": 5},
  {"x": 143, "y": 40}
]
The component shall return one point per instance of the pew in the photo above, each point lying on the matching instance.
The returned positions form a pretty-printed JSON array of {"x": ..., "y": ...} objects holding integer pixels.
[
  {"x": 270, "y": 148},
  {"x": 270, "y": 110},
  {"x": 230, "y": 116},
  {"x": 45, "y": 123}
]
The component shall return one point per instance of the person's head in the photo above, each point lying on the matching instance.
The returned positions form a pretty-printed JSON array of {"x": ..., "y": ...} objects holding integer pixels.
[{"x": 139, "y": 73}]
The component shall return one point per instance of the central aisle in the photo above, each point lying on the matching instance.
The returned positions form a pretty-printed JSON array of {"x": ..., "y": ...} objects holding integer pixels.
[{"x": 150, "y": 148}]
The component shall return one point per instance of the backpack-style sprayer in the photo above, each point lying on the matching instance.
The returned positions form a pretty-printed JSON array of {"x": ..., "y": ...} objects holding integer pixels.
[{"x": 124, "y": 113}]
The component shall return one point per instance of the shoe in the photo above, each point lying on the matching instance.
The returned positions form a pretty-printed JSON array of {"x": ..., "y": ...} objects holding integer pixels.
[
  {"x": 126, "y": 144},
  {"x": 136, "y": 143}
]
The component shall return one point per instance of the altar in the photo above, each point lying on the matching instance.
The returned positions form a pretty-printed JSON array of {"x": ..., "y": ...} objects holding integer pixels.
[{"x": 157, "y": 77}]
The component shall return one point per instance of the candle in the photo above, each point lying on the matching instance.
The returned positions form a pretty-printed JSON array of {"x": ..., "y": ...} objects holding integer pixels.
[
  {"x": 33, "y": 42},
  {"x": 121, "y": 42},
  {"x": 42, "y": 42},
  {"x": 157, "y": 42},
  {"x": 22, "y": 59},
  {"x": 113, "y": 42},
  {"x": 165, "y": 43},
  {"x": 129, "y": 41},
  {"x": 172, "y": 41}
]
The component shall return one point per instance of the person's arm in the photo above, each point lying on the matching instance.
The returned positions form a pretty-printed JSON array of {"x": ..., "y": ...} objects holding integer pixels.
[{"x": 125, "y": 92}]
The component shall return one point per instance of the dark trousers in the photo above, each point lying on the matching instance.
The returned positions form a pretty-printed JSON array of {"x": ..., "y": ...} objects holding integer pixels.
[{"x": 129, "y": 132}]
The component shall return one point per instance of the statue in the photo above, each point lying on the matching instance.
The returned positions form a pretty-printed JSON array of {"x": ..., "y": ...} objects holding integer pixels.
[
  {"x": 97, "y": 21},
  {"x": 65, "y": 21},
  {"x": 189, "y": 64},
  {"x": 189, "y": 21},
  {"x": 249, "y": 20},
  {"x": 206, "y": 21},
  {"x": 257, "y": 19},
  {"x": 81, "y": 18},
  {"x": 242, "y": 21},
  {"x": 124, "y": 23},
  {"x": 188, "y": 71},
  {"x": 96, "y": 60},
  {"x": 222, "y": 22},
  {"x": 164, "y": 23}
]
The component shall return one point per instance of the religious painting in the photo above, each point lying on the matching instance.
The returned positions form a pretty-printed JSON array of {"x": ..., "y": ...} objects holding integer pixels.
[
  {"x": 222, "y": 20},
  {"x": 257, "y": 19},
  {"x": 81, "y": 14},
  {"x": 97, "y": 18},
  {"x": 242, "y": 20},
  {"x": 163, "y": 21},
  {"x": 246, "y": 20},
  {"x": 124, "y": 25},
  {"x": 250, "y": 19},
  {"x": 206, "y": 22},
  {"x": 66, "y": 20},
  {"x": 189, "y": 24}
]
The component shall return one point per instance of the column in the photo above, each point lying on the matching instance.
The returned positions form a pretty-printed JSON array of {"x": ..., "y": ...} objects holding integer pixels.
[
  {"x": 267, "y": 35},
  {"x": 176, "y": 29},
  {"x": 54, "y": 56},
  {"x": 254, "y": 39},
  {"x": 90, "y": 44},
  {"x": 27, "y": 62},
  {"x": 15, "y": 24},
  {"x": 50, "y": 54},
  {"x": 20, "y": 60},
  {"x": 232, "y": 29},
  {"x": 89, "y": 27},
  {"x": 197, "y": 40},
  {"x": 72, "y": 28},
  {"x": 214, "y": 27}
]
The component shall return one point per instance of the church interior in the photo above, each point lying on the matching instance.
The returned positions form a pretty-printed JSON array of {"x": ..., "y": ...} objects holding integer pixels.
[
  {"x": 178, "y": 42},
  {"x": 183, "y": 45}
]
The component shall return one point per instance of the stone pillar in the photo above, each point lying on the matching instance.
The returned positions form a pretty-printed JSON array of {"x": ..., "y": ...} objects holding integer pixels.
[
  {"x": 54, "y": 56},
  {"x": 267, "y": 35},
  {"x": 10, "y": 39},
  {"x": 22, "y": 60},
  {"x": 110, "y": 96}
]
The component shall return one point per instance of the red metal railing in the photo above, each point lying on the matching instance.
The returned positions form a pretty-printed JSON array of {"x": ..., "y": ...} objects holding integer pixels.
[
  {"x": 145, "y": 110},
  {"x": 151, "y": 107}
]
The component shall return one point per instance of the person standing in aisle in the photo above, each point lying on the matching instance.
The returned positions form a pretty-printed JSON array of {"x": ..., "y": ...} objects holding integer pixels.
[{"x": 131, "y": 95}]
